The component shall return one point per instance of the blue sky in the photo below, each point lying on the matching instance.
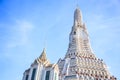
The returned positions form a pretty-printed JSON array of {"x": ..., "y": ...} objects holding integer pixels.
[{"x": 27, "y": 26}]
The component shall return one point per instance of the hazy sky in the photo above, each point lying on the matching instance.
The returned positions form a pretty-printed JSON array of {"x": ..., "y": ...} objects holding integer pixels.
[{"x": 27, "y": 26}]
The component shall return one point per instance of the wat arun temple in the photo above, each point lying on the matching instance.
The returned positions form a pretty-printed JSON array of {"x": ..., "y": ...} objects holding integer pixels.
[{"x": 79, "y": 63}]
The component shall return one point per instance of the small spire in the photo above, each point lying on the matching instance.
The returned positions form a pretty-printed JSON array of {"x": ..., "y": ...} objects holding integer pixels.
[
  {"x": 77, "y": 5},
  {"x": 43, "y": 56},
  {"x": 45, "y": 40}
]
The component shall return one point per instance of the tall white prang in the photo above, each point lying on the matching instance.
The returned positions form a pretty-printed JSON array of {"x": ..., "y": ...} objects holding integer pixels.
[{"x": 80, "y": 63}]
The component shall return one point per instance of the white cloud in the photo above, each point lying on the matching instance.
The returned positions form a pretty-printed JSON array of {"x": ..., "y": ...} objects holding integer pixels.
[
  {"x": 20, "y": 32},
  {"x": 25, "y": 27}
]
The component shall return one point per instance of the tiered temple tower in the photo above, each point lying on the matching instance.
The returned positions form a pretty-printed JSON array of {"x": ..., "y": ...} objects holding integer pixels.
[{"x": 80, "y": 63}]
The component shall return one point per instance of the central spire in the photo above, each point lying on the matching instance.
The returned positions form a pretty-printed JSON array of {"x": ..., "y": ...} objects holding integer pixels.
[
  {"x": 77, "y": 16},
  {"x": 78, "y": 39}
]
